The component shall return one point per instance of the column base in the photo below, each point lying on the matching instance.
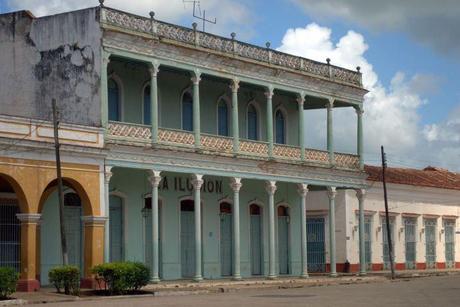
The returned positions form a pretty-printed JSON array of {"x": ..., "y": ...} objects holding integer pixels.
[
  {"x": 28, "y": 285},
  {"x": 272, "y": 277},
  {"x": 304, "y": 276},
  {"x": 362, "y": 273},
  {"x": 333, "y": 274},
  {"x": 237, "y": 278},
  {"x": 89, "y": 283},
  {"x": 155, "y": 280},
  {"x": 198, "y": 278}
]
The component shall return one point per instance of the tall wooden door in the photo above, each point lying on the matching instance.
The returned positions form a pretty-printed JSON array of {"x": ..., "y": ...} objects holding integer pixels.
[
  {"x": 368, "y": 241},
  {"x": 430, "y": 243},
  {"x": 187, "y": 237},
  {"x": 256, "y": 239},
  {"x": 73, "y": 228},
  {"x": 410, "y": 241},
  {"x": 386, "y": 246},
  {"x": 449, "y": 235},
  {"x": 147, "y": 213},
  {"x": 316, "y": 255},
  {"x": 10, "y": 234},
  {"x": 116, "y": 229},
  {"x": 226, "y": 239},
  {"x": 283, "y": 240}
]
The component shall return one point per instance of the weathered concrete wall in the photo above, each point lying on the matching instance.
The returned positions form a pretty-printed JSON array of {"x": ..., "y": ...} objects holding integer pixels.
[{"x": 51, "y": 57}]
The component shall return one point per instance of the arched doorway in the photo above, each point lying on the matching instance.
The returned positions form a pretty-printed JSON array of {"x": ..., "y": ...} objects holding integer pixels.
[
  {"x": 226, "y": 239},
  {"x": 147, "y": 213},
  {"x": 10, "y": 227},
  {"x": 187, "y": 237},
  {"x": 283, "y": 239},
  {"x": 255, "y": 212},
  {"x": 116, "y": 228}
]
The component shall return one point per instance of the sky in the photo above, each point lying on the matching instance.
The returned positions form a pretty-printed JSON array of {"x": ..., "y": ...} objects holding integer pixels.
[{"x": 408, "y": 51}]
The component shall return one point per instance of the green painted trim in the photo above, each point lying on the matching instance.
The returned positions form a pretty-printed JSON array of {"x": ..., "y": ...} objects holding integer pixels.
[
  {"x": 269, "y": 95},
  {"x": 105, "y": 58},
  {"x": 330, "y": 132},
  {"x": 154, "y": 100},
  {"x": 235, "y": 121}
]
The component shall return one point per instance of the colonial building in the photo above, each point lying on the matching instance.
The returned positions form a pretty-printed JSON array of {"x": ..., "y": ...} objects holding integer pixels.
[{"x": 181, "y": 149}]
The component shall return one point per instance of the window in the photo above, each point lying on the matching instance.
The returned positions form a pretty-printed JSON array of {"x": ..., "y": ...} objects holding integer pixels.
[
  {"x": 187, "y": 111},
  {"x": 147, "y": 118},
  {"x": 253, "y": 132},
  {"x": 114, "y": 100},
  {"x": 222, "y": 118},
  {"x": 280, "y": 127}
]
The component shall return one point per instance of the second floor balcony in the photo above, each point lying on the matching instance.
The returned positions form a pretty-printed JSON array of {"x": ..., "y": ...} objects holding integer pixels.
[{"x": 156, "y": 104}]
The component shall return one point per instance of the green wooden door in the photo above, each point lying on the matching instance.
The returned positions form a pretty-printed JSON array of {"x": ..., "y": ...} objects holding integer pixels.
[
  {"x": 449, "y": 235},
  {"x": 283, "y": 244},
  {"x": 256, "y": 240},
  {"x": 430, "y": 243},
  {"x": 187, "y": 238},
  {"x": 226, "y": 240},
  {"x": 410, "y": 225},
  {"x": 116, "y": 229}
]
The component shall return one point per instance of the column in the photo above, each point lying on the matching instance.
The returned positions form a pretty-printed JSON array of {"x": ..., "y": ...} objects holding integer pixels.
[
  {"x": 29, "y": 266},
  {"x": 269, "y": 95},
  {"x": 330, "y": 132},
  {"x": 93, "y": 238},
  {"x": 104, "y": 89},
  {"x": 303, "y": 189},
  {"x": 107, "y": 175},
  {"x": 197, "y": 181},
  {"x": 155, "y": 179},
  {"x": 154, "y": 100},
  {"x": 196, "y": 107},
  {"x": 360, "y": 193},
  {"x": 271, "y": 189},
  {"x": 331, "y": 192},
  {"x": 301, "y": 101},
  {"x": 235, "y": 126},
  {"x": 236, "y": 186},
  {"x": 359, "y": 142}
]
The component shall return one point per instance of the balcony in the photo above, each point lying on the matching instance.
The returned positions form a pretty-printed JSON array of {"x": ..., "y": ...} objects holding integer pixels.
[{"x": 140, "y": 135}]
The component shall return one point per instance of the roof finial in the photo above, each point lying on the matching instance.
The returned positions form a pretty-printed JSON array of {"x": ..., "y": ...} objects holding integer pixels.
[
  {"x": 328, "y": 60},
  {"x": 152, "y": 14},
  {"x": 233, "y": 35},
  {"x": 358, "y": 68},
  {"x": 101, "y": 3},
  {"x": 194, "y": 25},
  {"x": 267, "y": 44}
]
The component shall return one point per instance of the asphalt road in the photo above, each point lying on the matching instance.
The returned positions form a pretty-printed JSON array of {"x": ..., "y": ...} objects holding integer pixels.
[{"x": 440, "y": 291}]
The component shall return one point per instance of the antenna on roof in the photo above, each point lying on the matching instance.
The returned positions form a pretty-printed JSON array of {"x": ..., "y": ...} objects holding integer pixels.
[{"x": 201, "y": 15}]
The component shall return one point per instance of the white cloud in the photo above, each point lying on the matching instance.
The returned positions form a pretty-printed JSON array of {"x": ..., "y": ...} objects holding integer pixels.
[
  {"x": 232, "y": 16},
  {"x": 391, "y": 115}
]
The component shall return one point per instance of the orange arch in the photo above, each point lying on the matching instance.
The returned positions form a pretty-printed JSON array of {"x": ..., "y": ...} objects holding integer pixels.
[
  {"x": 18, "y": 190},
  {"x": 72, "y": 183}
]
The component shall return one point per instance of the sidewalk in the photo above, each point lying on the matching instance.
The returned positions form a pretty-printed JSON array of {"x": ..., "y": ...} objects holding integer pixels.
[{"x": 187, "y": 287}]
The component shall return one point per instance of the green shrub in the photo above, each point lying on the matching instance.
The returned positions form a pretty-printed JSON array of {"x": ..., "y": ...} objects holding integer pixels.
[
  {"x": 122, "y": 277},
  {"x": 8, "y": 279},
  {"x": 65, "y": 277}
]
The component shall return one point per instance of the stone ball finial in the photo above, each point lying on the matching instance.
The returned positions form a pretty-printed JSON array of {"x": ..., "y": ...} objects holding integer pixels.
[
  {"x": 194, "y": 25},
  {"x": 101, "y": 3},
  {"x": 358, "y": 69},
  {"x": 152, "y": 14},
  {"x": 233, "y": 35},
  {"x": 328, "y": 60},
  {"x": 267, "y": 44}
]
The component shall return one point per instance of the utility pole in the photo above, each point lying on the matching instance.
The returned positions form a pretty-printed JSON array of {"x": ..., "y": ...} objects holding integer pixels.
[
  {"x": 387, "y": 217},
  {"x": 65, "y": 256}
]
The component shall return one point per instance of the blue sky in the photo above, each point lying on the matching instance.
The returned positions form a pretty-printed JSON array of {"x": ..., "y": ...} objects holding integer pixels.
[{"x": 418, "y": 119}]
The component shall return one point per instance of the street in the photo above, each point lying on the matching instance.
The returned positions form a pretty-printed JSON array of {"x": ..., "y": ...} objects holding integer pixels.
[{"x": 428, "y": 291}]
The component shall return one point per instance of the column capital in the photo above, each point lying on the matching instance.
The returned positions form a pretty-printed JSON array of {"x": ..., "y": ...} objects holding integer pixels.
[
  {"x": 302, "y": 189},
  {"x": 196, "y": 76},
  {"x": 331, "y": 192},
  {"x": 360, "y": 194},
  {"x": 269, "y": 92},
  {"x": 359, "y": 110},
  {"x": 154, "y": 69},
  {"x": 270, "y": 187},
  {"x": 107, "y": 173},
  {"x": 301, "y": 99},
  {"x": 235, "y": 184},
  {"x": 235, "y": 85},
  {"x": 197, "y": 181},
  {"x": 154, "y": 178},
  {"x": 330, "y": 103},
  {"x": 106, "y": 57},
  {"x": 29, "y": 217}
]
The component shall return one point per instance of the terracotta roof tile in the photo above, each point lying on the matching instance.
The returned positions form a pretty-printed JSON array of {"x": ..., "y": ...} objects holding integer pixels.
[{"x": 427, "y": 177}]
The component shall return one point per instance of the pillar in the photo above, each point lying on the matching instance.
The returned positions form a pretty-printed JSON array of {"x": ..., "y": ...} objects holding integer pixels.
[
  {"x": 93, "y": 248},
  {"x": 235, "y": 127},
  {"x": 269, "y": 95},
  {"x": 331, "y": 192},
  {"x": 236, "y": 186},
  {"x": 29, "y": 266},
  {"x": 196, "y": 108},
  {"x": 301, "y": 101},
  {"x": 303, "y": 189},
  {"x": 330, "y": 132},
  {"x": 155, "y": 179},
  {"x": 107, "y": 176},
  {"x": 197, "y": 181},
  {"x": 154, "y": 101},
  {"x": 359, "y": 141},
  {"x": 271, "y": 189},
  {"x": 104, "y": 89},
  {"x": 360, "y": 193}
]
